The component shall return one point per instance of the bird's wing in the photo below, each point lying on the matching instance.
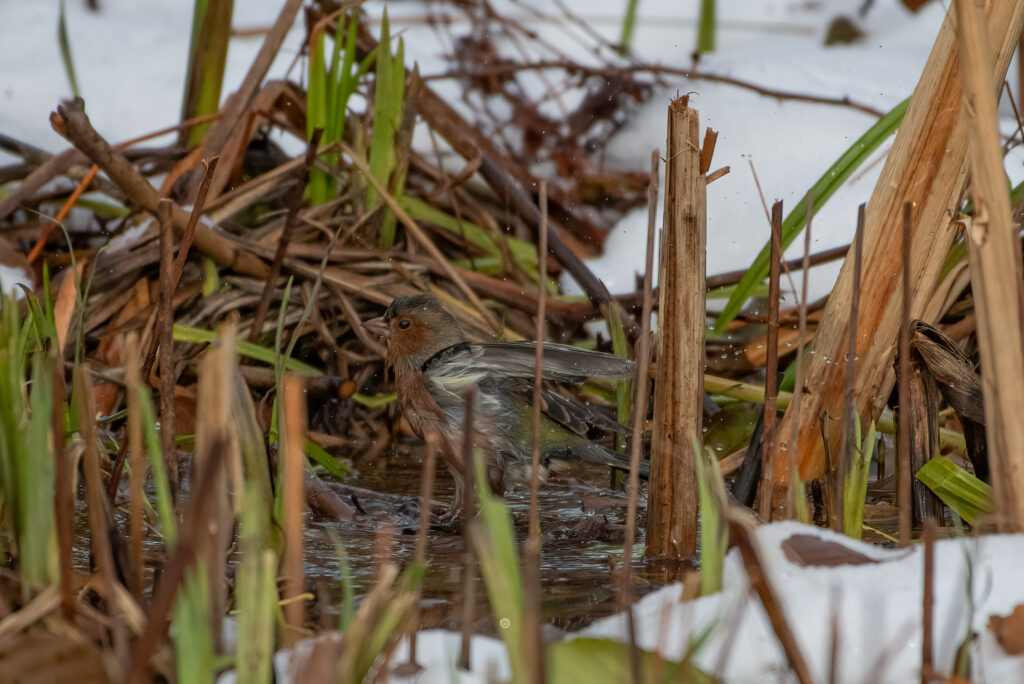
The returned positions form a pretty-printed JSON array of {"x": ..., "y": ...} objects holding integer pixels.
[
  {"x": 466, "y": 362},
  {"x": 577, "y": 416}
]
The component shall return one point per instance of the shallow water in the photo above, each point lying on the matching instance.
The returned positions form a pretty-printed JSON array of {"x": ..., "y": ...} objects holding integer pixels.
[{"x": 578, "y": 585}]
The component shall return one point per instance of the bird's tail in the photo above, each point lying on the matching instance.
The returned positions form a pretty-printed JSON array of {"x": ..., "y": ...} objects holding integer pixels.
[{"x": 595, "y": 454}]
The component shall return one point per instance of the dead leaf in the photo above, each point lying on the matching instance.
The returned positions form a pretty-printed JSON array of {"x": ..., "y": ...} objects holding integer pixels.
[
  {"x": 811, "y": 550},
  {"x": 64, "y": 306},
  {"x": 1009, "y": 630}
]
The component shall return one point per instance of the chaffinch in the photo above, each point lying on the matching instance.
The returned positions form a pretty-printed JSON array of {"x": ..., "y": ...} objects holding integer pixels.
[{"x": 434, "y": 364}]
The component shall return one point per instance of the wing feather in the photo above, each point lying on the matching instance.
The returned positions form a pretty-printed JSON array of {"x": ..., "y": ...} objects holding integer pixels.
[{"x": 468, "y": 362}]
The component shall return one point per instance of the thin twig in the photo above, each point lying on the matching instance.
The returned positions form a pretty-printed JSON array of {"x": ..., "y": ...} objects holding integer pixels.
[
  {"x": 798, "y": 389},
  {"x": 426, "y": 503},
  {"x": 771, "y": 380},
  {"x": 928, "y": 601},
  {"x": 641, "y": 391},
  {"x": 608, "y": 72},
  {"x": 533, "y": 641},
  {"x": 468, "y": 496},
  {"x": 165, "y": 336}
]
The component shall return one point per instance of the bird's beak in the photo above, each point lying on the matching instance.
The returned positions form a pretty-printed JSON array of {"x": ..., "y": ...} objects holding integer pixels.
[{"x": 378, "y": 326}]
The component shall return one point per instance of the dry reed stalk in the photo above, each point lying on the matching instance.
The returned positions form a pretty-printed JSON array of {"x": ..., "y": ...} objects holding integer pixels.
[
  {"x": 903, "y": 455},
  {"x": 928, "y": 602},
  {"x": 533, "y": 643},
  {"x": 678, "y": 393},
  {"x": 426, "y": 504},
  {"x": 293, "y": 505},
  {"x": 165, "y": 339},
  {"x": 641, "y": 385},
  {"x": 927, "y": 165},
  {"x": 771, "y": 367},
  {"x": 215, "y": 426},
  {"x": 994, "y": 255}
]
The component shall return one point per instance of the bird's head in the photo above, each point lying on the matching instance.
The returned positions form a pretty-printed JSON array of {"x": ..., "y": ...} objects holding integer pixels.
[{"x": 416, "y": 328}]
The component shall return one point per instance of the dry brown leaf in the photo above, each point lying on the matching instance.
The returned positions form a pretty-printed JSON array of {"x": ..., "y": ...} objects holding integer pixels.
[
  {"x": 1009, "y": 630},
  {"x": 64, "y": 306},
  {"x": 808, "y": 549}
]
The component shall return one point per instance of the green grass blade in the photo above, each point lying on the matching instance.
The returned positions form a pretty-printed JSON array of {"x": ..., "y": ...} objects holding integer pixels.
[
  {"x": 257, "y": 352},
  {"x": 714, "y": 532},
  {"x": 706, "y": 27},
  {"x": 628, "y": 26},
  {"x": 65, "y": 50},
  {"x": 855, "y": 487},
  {"x": 968, "y": 496},
  {"x": 164, "y": 500},
  {"x": 494, "y": 542},
  {"x": 819, "y": 193}
]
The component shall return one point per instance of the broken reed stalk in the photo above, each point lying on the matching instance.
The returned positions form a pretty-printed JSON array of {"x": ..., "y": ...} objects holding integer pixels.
[
  {"x": 927, "y": 165},
  {"x": 640, "y": 394},
  {"x": 533, "y": 645},
  {"x": 426, "y": 504},
  {"x": 678, "y": 392},
  {"x": 165, "y": 336},
  {"x": 928, "y": 602},
  {"x": 293, "y": 506},
  {"x": 903, "y": 497},
  {"x": 801, "y": 367},
  {"x": 771, "y": 367},
  {"x": 468, "y": 497},
  {"x": 995, "y": 262},
  {"x": 741, "y": 533},
  {"x": 847, "y": 432},
  {"x": 285, "y": 239}
]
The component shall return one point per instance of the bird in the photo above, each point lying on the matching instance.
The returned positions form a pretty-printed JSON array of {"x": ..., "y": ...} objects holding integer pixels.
[{"x": 434, "y": 365}]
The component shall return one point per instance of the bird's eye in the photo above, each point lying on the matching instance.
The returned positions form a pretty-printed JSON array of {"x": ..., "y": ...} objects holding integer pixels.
[{"x": 404, "y": 324}]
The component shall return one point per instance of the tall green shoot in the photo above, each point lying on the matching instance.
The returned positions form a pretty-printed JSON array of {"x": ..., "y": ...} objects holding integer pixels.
[
  {"x": 207, "y": 56},
  {"x": 26, "y": 443},
  {"x": 855, "y": 487},
  {"x": 329, "y": 90},
  {"x": 714, "y": 529},
  {"x": 387, "y": 119}
]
